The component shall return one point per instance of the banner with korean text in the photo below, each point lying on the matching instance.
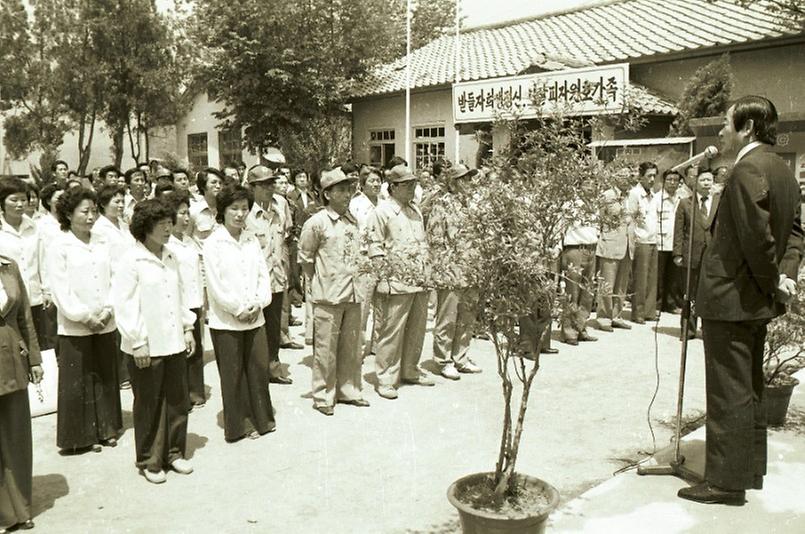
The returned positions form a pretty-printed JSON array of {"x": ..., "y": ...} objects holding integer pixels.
[{"x": 587, "y": 91}]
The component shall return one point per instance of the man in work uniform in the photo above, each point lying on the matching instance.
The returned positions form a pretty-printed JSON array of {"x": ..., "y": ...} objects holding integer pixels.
[
  {"x": 329, "y": 247},
  {"x": 397, "y": 237},
  {"x": 267, "y": 221}
]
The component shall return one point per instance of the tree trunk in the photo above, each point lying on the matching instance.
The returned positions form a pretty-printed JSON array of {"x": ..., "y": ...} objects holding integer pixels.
[
  {"x": 118, "y": 131},
  {"x": 85, "y": 149}
]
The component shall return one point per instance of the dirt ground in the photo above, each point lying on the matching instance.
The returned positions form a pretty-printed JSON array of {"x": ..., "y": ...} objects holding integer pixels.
[{"x": 385, "y": 468}]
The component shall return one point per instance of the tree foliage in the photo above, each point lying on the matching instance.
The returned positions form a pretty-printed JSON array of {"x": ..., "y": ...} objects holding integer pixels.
[
  {"x": 282, "y": 66},
  {"x": 790, "y": 13},
  {"x": 785, "y": 341},
  {"x": 707, "y": 94}
]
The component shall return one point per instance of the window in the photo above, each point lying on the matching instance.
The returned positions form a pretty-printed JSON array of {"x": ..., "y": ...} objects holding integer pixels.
[
  {"x": 230, "y": 148},
  {"x": 428, "y": 146},
  {"x": 197, "y": 150},
  {"x": 381, "y": 147}
]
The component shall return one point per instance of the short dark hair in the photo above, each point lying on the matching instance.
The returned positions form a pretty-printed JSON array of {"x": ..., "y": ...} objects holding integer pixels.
[
  {"x": 180, "y": 171},
  {"x": 175, "y": 198},
  {"x": 761, "y": 112},
  {"x": 47, "y": 193},
  {"x": 440, "y": 165},
  {"x": 57, "y": 163},
  {"x": 106, "y": 193},
  {"x": 670, "y": 172},
  {"x": 69, "y": 183},
  {"x": 203, "y": 176},
  {"x": 146, "y": 216},
  {"x": 69, "y": 201},
  {"x": 645, "y": 167},
  {"x": 396, "y": 160},
  {"x": 131, "y": 172},
  {"x": 31, "y": 188},
  {"x": 230, "y": 195},
  {"x": 366, "y": 171},
  {"x": 108, "y": 168},
  {"x": 163, "y": 188},
  {"x": 349, "y": 167},
  {"x": 8, "y": 187}
]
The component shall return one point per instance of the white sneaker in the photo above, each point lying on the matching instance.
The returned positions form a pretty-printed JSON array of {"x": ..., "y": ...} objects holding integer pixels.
[
  {"x": 449, "y": 371},
  {"x": 182, "y": 466},
  {"x": 155, "y": 478},
  {"x": 469, "y": 367}
]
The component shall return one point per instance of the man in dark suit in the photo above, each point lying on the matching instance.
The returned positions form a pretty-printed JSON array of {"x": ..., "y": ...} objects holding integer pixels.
[
  {"x": 684, "y": 224},
  {"x": 748, "y": 272}
]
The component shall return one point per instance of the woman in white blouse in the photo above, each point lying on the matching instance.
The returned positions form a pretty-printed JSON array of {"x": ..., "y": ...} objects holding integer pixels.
[
  {"x": 238, "y": 288},
  {"x": 80, "y": 272},
  {"x": 156, "y": 335},
  {"x": 189, "y": 256}
]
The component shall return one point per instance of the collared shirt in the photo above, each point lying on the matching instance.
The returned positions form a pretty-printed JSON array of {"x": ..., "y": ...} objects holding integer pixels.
[
  {"x": 361, "y": 207},
  {"x": 665, "y": 205},
  {"x": 80, "y": 276},
  {"x": 745, "y": 150},
  {"x": 269, "y": 226},
  {"x": 384, "y": 192},
  {"x": 148, "y": 303},
  {"x": 449, "y": 247},
  {"x": 49, "y": 232},
  {"x": 331, "y": 243},
  {"x": 237, "y": 277},
  {"x": 118, "y": 237},
  {"x": 708, "y": 203},
  {"x": 578, "y": 234},
  {"x": 189, "y": 256},
  {"x": 644, "y": 218},
  {"x": 397, "y": 231},
  {"x": 202, "y": 221},
  {"x": 25, "y": 247},
  {"x": 129, "y": 202}
]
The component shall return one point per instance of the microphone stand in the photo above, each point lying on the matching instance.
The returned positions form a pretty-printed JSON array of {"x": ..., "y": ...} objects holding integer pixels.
[{"x": 676, "y": 466}]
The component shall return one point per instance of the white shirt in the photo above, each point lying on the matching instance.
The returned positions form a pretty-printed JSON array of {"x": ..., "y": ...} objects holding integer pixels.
[
  {"x": 270, "y": 227},
  {"x": 80, "y": 276},
  {"x": 361, "y": 207},
  {"x": 149, "y": 308},
  {"x": 638, "y": 203},
  {"x": 666, "y": 215},
  {"x": 745, "y": 150},
  {"x": 581, "y": 235},
  {"x": 24, "y": 247},
  {"x": 384, "y": 192},
  {"x": 189, "y": 256},
  {"x": 119, "y": 238},
  {"x": 237, "y": 276},
  {"x": 49, "y": 233}
]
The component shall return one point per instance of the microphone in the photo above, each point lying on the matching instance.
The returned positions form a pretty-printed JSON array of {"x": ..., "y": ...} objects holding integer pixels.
[{"x": 708, "y": 153}]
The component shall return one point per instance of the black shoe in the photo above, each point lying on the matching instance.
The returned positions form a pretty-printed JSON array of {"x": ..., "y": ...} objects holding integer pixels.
[
  {"x": 326, "y": 410},
  {"x": 548, "y": 350},
  {"x": 571, "y": 341},
  {"x": 757, "y": 482},
  {"x": 285, "y": 380},
  {"x": 292, "y": 345},
  {"x": 639, "y": 321},
  {"x": 362, "y": 403},
  {"x": 111, "y": 442},
  {"x": 707, "y": 493},
  {"x": 25, "y": 525},
  {"x": 584, "y": 336}
]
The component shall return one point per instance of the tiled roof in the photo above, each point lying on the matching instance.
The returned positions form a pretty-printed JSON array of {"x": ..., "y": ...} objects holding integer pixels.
[
  {"x": 649, "y": 102},
  {"x": 616, "y": 31}
]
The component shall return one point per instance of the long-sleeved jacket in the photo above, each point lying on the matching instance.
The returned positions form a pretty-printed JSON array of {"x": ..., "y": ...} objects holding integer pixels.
[{"x": 16, "y": 331}]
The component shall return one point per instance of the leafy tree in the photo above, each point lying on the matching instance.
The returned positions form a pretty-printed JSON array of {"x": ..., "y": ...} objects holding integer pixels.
[
  {"x": 279, "y": 75},
  {"x": 707, "y": 94},
  {"x": 790, "y": 13}
]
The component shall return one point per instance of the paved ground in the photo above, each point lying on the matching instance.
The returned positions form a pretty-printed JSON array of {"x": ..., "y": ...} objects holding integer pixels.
[{"x": 385, "y": 468}]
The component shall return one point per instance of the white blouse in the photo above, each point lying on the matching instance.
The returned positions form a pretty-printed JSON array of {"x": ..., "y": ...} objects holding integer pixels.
[
  {"x": 119, "y": 239},
  {"x": 24, "y": 247},
  {"x": 237, "y": 276},
  {"x": 189, "y": 256},
  {"x": 80, "y": 276},
  {"x": 49, "y": 234},
  {"x": 148, "y": 303}
]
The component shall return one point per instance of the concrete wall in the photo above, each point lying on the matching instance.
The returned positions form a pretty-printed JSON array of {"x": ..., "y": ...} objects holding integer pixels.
[
  {"x": 776, "y": 73},
  {"x": 200, "y": 119}
]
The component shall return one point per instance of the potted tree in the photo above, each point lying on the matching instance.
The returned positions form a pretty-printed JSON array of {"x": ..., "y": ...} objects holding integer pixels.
[
  {"x": 784, "y": 355},
  {"x": 535, "y": 187}
]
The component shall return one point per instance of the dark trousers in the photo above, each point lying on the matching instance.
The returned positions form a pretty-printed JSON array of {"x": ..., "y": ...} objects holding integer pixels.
[
  {"x": 195, "y": 364},
  {"x": 89, "y": 393},
  {"x": 694, "y": 283},
  {"x": 242, "y": 358},
  {"x": 160, "y": 410},
  {"x": 122, "y": 367},
  {"x": 273, "y": 316},
  {"x": 669, "y": 293},
  {"x": 644, "y": 278},
  {"x": 45, "y": 325},
  {"x": 535, "y": 333},
  {"x": 16, "y": 459},
  {"x": 736, "y": 412}
]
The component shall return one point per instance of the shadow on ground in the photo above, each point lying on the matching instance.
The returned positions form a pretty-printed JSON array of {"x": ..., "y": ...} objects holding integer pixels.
[
  {"x": 47, "y": 489},
  {"x": 195, "y": 442}
]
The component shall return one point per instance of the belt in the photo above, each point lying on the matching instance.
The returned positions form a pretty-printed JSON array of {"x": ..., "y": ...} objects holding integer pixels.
[{"x": 583, "y": 247}]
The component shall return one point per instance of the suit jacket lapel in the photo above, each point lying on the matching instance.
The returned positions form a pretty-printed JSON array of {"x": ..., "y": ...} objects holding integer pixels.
[{"x": 10, "y": 288}]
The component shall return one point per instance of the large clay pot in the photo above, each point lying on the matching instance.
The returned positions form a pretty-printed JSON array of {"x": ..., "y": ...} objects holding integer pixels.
[
  {"x": 480, "y": 522},
  {"x": 777, "y": 399}
]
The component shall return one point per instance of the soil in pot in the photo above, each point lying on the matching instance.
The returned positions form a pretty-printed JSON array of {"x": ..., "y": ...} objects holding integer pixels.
[{"x": 526, "y": 500}]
